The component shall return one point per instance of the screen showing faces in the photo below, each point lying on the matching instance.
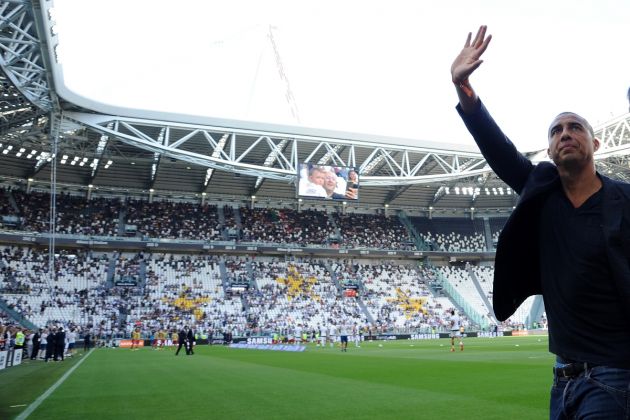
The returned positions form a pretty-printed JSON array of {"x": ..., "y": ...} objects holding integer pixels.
[{"x": 328, "y": 182}]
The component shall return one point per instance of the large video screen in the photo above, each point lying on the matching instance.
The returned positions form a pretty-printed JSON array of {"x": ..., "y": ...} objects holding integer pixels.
[{"x": 328, "y": 182}]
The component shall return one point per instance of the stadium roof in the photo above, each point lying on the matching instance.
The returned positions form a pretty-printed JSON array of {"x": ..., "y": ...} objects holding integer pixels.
[{"x": 129, "y": 150}]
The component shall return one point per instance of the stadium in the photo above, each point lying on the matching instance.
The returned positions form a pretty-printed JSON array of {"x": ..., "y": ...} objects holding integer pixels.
[{"x": 125, "y": 226}]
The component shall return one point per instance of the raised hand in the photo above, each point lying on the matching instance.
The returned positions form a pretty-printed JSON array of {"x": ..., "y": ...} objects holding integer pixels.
[{"x": 468, "y": 59}]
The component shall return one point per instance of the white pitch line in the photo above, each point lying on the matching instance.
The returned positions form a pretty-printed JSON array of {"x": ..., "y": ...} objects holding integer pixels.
[{"x": 50, "y": 390}]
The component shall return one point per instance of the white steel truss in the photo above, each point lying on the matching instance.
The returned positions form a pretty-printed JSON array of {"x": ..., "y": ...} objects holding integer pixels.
[
  {"x": 247, "y": 152},
  {"x": 21, "y": 56},
  {"x": 27, "y": 44}
]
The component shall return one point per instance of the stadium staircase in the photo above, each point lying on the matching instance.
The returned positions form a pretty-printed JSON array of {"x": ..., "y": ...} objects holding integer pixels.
[
  {"x": 221, "y": 215},
  {"x": 250, "y": 276},
  {"x": 16, "y": 317},
  {"x": 123, "y": 315},
  {"x": 487, "y": 231},
  {"x": 335, "y": 226},
  {"x": 537, "y": 310},
  {"x": 12, "y": 201},
  {"x": 238, "y": 219},
  {"x": 334, "y": 278},
  {"x": 111, "y": 271},
  {"x": 364, "y": 308},
  {"x": 252, "y": 286},
  {"x": 413, "y": 233},
  {"x": 435, "y": 287},
  {"x": 224, "y": 280},
  {"x": 482, "y": 294},
  {"x": 460, "y": 302},
  {"x": 358, "y": 299},
  {"x": 122, "y": 216},
  {"x": 142, "y": 274}
]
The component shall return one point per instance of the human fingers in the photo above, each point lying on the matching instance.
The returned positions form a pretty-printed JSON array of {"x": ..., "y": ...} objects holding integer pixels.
[
  {"x": 479, "y": 37},
  {"x": 468, "y": 38},
  {"x": 484, "y": 45}
]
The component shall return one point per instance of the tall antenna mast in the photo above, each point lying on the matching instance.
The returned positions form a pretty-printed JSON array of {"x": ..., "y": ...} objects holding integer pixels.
[{"x": 288, "y": 96}]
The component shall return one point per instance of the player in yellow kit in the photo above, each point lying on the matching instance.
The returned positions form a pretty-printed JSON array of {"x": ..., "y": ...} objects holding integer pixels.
[{"x": 135, "y": 339}]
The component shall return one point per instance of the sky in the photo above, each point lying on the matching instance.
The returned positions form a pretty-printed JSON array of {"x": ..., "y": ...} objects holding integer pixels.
[{"x": 373, "y": 67}]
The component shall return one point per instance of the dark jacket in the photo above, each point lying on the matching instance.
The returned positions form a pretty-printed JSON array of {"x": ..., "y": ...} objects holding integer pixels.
[
  {"x": 60, "y": 339},
  {"x": 51, "y": 339},
  {"x": 517, "y": 272}
]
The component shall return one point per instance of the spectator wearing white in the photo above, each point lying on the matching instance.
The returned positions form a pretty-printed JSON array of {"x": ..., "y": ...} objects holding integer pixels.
[
  {"x": 323, "y": 332},
  {"x": 332, "y": 333},
  {"x": 71, "y": 338}
]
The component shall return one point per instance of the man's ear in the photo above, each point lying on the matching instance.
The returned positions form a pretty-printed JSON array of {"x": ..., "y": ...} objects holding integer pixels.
[
  {"x": 549, "y": 152},
  {"x": 596, "y": 144}
]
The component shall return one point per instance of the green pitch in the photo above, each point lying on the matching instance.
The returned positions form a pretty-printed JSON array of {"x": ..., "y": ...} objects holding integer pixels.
[{"x": 498, "y": 378}]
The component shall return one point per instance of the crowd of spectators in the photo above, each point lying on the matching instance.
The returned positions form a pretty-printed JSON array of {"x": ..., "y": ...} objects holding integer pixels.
[
  {"x": 128, "y": 267},
  {"x": 74, "y": 215},
  {"x": 6, "y": 207},
  {"x": 295, "y": 296},
  {"x": 172, "y": 220},
  {"x": 286, "y": 226},
  {"x": 373, "y": 231},
  {"x": 283, "y": 295},
  {"x": 158, "y": 219}
]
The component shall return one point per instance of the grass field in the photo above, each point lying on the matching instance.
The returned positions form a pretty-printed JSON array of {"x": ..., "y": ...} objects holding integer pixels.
[{"x": 499, "y": 378}]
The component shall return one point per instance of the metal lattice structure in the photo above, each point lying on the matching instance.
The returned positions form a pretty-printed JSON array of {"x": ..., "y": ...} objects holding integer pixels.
[
  {"x": 138, "y": 151},
  {"x": 244, "y": 150}
]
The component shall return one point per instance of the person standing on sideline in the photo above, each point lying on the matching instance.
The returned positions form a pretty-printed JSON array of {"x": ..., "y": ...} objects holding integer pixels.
[
  {"x": 72, "y": 339},
  {"x": 29, "y": 344},
  {"x": 87, "y": 338},
  {"x": 37, "y": 339},
  {"x": 43, "y": 345},
  {"x": 456, "y": 323},
  {"x": 568, "y": 238},
  {"x": 20, "y": 339},
  {"x": 190, "y": 341},
  {"x": 60, "y": 344},
  {"x": 51, "y": 339},
  {"x": 181, "y": 341}
]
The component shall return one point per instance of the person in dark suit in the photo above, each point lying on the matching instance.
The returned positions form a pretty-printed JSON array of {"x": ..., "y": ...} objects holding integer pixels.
[
  {"x": 181, "y": 341},
  {"x": 60, "y": 344},
  {"x": 37, "y": 339},
  {"x": 190, "y": 341},
  {"x": 568, "y": 239},
  {"x": 51, "y": 340},
  {"x": 87, "y": 338}
]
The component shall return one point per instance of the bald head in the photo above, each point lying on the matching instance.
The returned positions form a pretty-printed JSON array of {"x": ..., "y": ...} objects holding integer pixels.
[{"x": 574, "y": 116}]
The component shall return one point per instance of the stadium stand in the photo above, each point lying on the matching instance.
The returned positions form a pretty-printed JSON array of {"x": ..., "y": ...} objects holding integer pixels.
[
  {"x": 372, "y": 231},
  {"x": 451, "y": 234},
  {"x": 111, "y": 292}
]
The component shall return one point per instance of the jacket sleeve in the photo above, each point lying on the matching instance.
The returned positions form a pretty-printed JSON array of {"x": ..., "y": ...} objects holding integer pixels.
[{"x": 500, "y": 153}]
